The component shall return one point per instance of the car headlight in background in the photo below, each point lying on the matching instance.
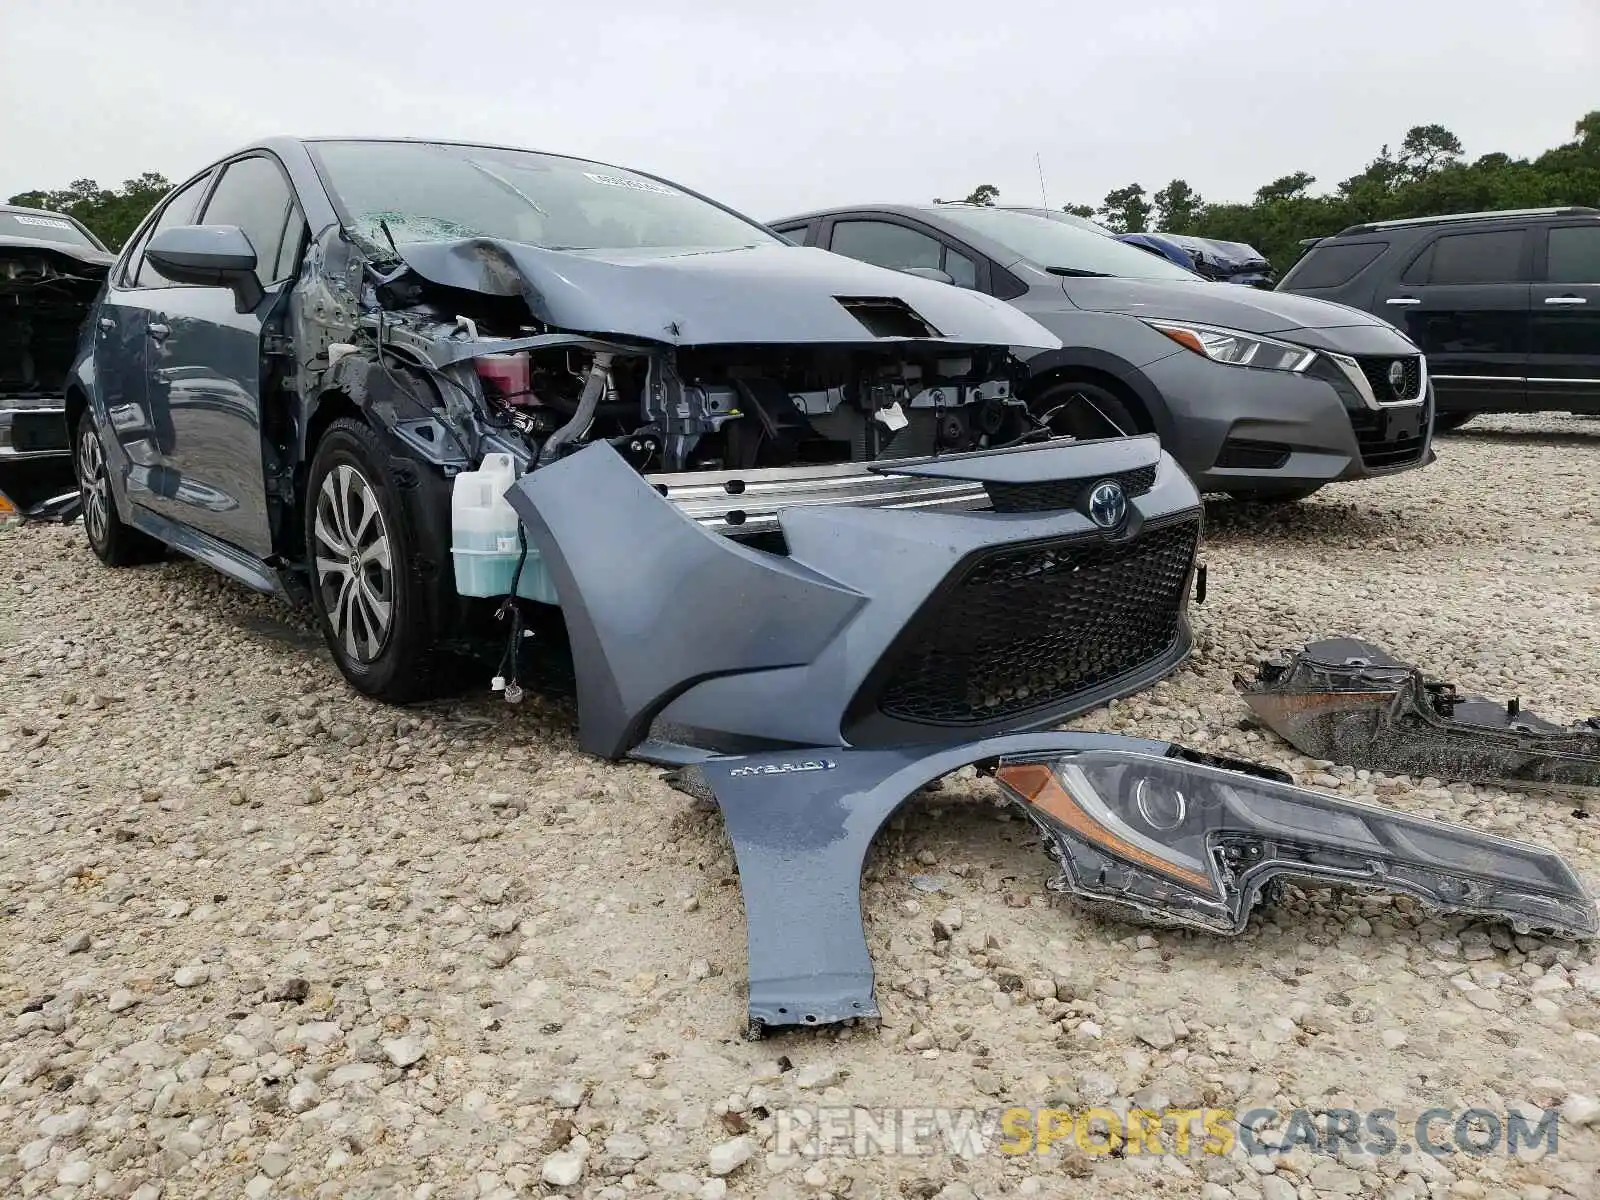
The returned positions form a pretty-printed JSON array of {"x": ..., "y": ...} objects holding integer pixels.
[
  {"x": 1234, "y": 348},
  {"x": 1183, "y": 842}
]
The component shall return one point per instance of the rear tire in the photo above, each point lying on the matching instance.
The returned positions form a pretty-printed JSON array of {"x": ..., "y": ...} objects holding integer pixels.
[
  {"x": 373, "y": 604},
  {"x": 113, "y": 542},
  {"x": 1079, "y": 409},
  {"x": 1445, "y": 422}
]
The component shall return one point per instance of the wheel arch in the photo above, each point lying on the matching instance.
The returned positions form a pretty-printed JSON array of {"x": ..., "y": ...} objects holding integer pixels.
[{"x": 1088, "y": 365}]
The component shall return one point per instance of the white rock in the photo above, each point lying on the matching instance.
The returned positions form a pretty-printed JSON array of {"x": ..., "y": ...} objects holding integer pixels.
[
  {"x": 191, "y": 975},
  {"x": 75, "y": 1173},
  {"x": 727, "y": 1157},
  {"x": 121, "y": 1000},
  {"x": 1580, "y": 1110},
  {"x": 404, "y": 1051},
  {"x": 66, "y": 1124},
  {"x": 563, "y": 1168}
]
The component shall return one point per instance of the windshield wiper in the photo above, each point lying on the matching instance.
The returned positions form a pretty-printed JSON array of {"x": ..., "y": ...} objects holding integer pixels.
[
  {"x": 1077, "y": 273},
  {"x": 508, "y": 185}
]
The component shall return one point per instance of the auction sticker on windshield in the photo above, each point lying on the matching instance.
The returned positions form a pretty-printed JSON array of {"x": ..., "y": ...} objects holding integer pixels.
[{"x": 46, "y": 222}]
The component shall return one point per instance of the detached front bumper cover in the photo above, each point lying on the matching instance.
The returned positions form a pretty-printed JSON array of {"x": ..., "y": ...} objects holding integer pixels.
[
  {"x": 1148, "y": 829},
  {"x": 1348, "y": 701}
]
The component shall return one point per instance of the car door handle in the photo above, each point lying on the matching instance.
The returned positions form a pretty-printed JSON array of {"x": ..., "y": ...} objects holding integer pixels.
[
  {"x": 158, "y": 331},
  {"x": 1402, "y": 301},
  {"x": 107, "y": 324},
  {"x": 1565, "y": 300}
]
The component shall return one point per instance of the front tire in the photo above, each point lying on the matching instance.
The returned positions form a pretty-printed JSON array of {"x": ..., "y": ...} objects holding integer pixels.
[
  {"x": 1445, "y": 422},
  {"x": 371, "y": 600},
  {"x": 1083, "y": 410},
  {"x": 113, "y": 542}
]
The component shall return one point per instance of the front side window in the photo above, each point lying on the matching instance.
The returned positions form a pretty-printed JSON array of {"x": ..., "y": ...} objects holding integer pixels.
[
  {"x": 884, "y": 244},
  {"x": 253, "y": 195},
  {"x": 1574, "y": 254},
  {"x": 180, "y": 210},
  {"x": 403, "y": 192}
]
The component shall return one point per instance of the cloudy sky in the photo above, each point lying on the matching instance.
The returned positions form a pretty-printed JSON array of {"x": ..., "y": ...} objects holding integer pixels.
[{"x": 776, "y": 109}]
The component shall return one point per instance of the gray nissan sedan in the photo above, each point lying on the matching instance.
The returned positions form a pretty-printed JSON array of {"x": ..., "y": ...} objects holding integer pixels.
[{"x": 1258, "y": 394}]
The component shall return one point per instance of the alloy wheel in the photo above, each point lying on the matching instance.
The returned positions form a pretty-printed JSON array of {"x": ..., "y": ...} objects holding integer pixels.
[
  {"x": 93, "y": 487},
  {"x": 354, "y": 570}
]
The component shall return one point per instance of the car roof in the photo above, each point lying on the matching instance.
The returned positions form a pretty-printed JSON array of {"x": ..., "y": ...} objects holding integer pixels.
[
  {"x": 1505, "y": 214},
  {"x": 898, "y": 210},
  {"x": 39, "y": 212}
]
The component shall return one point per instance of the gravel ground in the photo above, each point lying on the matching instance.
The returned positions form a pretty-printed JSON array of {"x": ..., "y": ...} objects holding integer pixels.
[{"x": 264, "y": 939}]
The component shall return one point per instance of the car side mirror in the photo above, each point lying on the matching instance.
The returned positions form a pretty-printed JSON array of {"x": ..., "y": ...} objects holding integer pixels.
[
  {"x": 209, "y": 256},
  {"x": 933, "y": 273}
]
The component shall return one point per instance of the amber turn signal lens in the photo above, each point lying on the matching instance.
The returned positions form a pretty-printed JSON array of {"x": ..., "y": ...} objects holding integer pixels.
[{"x": 1037, "y": 784}]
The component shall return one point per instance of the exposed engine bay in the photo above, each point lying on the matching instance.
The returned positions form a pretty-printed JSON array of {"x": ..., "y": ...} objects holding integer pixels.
[
  {"x": 650, "y": 355},
  {"x": 749, "y": 407},
  {"x": 729, "y": 407},
  {"x": 43, "y": 299}
]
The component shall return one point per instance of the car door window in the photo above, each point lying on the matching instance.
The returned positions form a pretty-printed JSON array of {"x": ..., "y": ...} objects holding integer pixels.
[
  {"x": 960, "y": 268},
  {"x": 295, "y": 232},
  {"x": 254, "y": 195},
  {"x": 1464, "y": 258},
  {"x": 179, "y": 210},
  {"x": 886, "y": 245},
  {"x": 1574, "y": 254}
]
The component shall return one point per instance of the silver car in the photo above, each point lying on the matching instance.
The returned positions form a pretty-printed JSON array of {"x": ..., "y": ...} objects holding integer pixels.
[{"x": 1258, "y": 394}]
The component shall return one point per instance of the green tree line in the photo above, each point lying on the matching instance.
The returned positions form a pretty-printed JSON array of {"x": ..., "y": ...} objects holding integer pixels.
[
  {"x": 1427, "y": 176},
  {"x": 111, "y": 214}
]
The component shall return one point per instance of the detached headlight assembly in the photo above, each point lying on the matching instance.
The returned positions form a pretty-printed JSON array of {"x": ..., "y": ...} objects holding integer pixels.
[
  {"x": 1236, "y": 349},
  {"x": 1184, "y": 842}
]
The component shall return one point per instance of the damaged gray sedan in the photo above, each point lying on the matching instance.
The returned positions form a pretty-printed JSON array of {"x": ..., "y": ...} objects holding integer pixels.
[{"x": 776, "y": 495}]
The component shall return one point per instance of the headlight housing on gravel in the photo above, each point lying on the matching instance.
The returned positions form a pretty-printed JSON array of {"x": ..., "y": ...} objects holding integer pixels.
[
  {"x": 1234, "y": 348},
  {"x": 1187, "y": 843}
]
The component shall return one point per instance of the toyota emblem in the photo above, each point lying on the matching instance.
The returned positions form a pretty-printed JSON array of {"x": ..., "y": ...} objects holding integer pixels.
[{"x": 1108, "y": 504}]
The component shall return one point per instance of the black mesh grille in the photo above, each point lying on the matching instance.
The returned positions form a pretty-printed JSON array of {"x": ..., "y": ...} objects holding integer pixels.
[
  {"x": 1380, "y": 449},
  {"x": 1063, "y": 493},
  {"x": 1028, "y": 626},
  {"x": 1242, "y": 452},
  {"x": 1377, "y": 372}
]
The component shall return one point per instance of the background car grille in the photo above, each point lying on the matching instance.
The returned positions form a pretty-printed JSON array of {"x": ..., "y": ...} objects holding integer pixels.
[
  {"x": 1063, "y": 493},
  {"x": 1379, "y": 451},
  {"x": 1377, "y": 372},
  {"x": 1023, "y": 627}
]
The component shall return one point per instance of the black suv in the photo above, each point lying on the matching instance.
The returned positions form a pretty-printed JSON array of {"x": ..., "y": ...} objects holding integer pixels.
[{"x": 1506, "y": 305}]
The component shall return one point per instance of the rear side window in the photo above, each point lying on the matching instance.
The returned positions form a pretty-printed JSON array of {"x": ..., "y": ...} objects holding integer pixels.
[
  {"x": 254, "y": 195},
  {"x": 1574, "y": 254},
  {"x": 1331, "y": 266},
  {"x": 1490, "y": 257},
  {"x": 180, "y": 210}
]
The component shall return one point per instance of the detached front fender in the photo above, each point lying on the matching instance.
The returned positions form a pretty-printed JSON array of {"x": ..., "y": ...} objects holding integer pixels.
[
  {"x": 1145, "y": 829},
  {"x": 801, "y": 823}
]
